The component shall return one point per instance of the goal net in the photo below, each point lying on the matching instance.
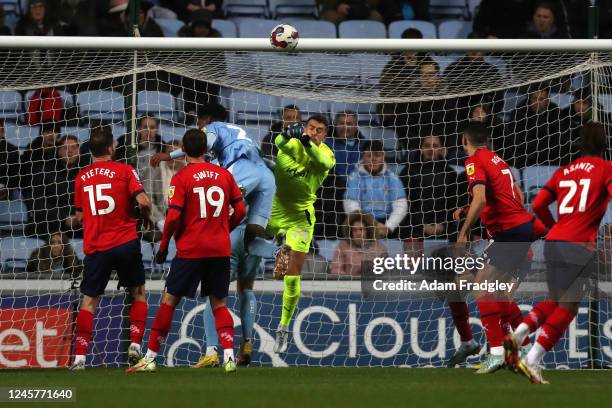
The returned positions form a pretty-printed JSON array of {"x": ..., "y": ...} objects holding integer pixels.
[{"x": 411, "y": 105}]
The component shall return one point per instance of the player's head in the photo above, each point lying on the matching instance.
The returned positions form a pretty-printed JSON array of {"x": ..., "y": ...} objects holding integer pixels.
[
  {"x": 101, "y": 142},
  {"x": 194, "y": 143},
  {"x": 316, "y": 128},
  {"x": 211, "y": 112},
  {"x": 373, "y": 156},
  {"x": 593, "y": 139},
  {"x": 475, "y": 136}
]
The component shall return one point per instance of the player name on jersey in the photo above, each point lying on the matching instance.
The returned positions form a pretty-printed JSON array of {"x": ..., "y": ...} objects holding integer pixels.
[
  {"x": 97, "y": 172},
  {"x": 201, "y": 175}
]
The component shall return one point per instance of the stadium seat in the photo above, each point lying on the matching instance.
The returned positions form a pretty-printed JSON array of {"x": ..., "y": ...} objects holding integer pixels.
[
  {"x": 454, "y": 29},
  {"x": 387, "y": 136},
  {"x": 170, "y": 133},
  {"x": 473, "y": 8},
  {"x": 256, "y": 133},
  {"x": 448, "y": 8},
  {"x": 77, "y": 245},
  {"x": 118, "y": 130},
  {"x": 371, "y": 66},
  {"x": 155, "y": 103},
  {"x": 348, "y": 73},
  {"x": 170, "y": 26},
  {"x": 562, "y": 100},
  {"x": 13, "y": 215},
  {"x": 254, "y": 27},
  {"x": 227, "y": 28},
  {"x": 426, "y": 28},
  {"x": 607, "y": 219},
  {"x": 362, "y": 29},
  {"x": 512, "y": 100},
  {"x": 255, "y": 8},
  {"x": 315, "y": 29},
  {"x": 11, "y": 105},
  {"x": 286, "y": 8},
  {"x": 308, "y": 107},
  {"x": 444, "y": 61},
  {"x": 21, "y": 136},
  {"x": 15, "y": 251},
  {"x": 104, "y": 105},
  {"x": 81, "y": 132},
  {"x": 249, "y": 107},
  {"x": 366, "y": 112},
  {"x": 327, "y": 248},
  {"x": 534, "y": 177},
  {"x": 605, "y": 101}
]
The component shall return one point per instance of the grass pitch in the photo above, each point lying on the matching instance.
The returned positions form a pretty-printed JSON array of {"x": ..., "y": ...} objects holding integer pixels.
[{"x": 317, "y": 388}]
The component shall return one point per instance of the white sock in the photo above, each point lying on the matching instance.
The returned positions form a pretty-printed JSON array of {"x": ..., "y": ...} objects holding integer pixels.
[
  {"x": 282, "y": 327},
  {"x": 536, "y": 354},
  {"x": 210, "y": 350},
  {"x": 228, "y": 354},
  {"x": 497, "y": 351},
  {"x": 521, "y": 332},
  {"x": 79, "y": 359},
  {"x": 151, "y": 354},
  {"x": 135, "y": 345}
]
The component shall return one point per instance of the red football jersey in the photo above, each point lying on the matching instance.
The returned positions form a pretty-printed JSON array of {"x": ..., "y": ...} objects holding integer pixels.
[
  {"x": 104, "y": 192},
  {"x": 582, "y": 190},
  {"x": 503, "y": 210},
  {"x": 203, "y": 193}
]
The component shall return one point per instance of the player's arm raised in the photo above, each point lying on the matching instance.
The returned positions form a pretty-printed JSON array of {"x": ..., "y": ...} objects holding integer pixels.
[{"x": 479, "y": 200}]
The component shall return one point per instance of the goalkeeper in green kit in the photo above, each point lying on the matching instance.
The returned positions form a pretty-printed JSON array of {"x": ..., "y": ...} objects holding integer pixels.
[{"x": 302, "y": 165}]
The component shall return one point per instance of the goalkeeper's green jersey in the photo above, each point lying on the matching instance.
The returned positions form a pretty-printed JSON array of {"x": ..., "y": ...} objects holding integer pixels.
[{"x": 299, "y": 173}]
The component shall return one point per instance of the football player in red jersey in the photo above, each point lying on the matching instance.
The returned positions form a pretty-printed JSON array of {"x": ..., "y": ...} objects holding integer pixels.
[
  {"x": 104, "y": 195},
  {"x": 200, "y": 198},
  {"x": 498, "y": 202},
  {"x": 582, "y": 190}
]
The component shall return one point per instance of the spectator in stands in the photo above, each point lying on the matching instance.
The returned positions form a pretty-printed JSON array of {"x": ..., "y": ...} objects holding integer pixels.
[
  {"x": 374, "y": 189},
  {"x": 171, "y": 167},
  {"x": 502, "y": 19},
  {"x": 149, "y": 143},
  {"x": 358, "y": 246},
  {"x": 289, "y": 114},
  {"x": 184, "y": 8},
  {"x": 4, "y": 29},
  {"x": 577, "y": 114},
  {"x": 338, "y": 11},
  {"x": 147, "y": 26},
  {"x": 37, "y": 21},
  {"x": 346, "y": 143},
  {"x": 400, "y": 73},
  {"x": 199, "y": 25},
  {"x": 542, "y": 24},
  {"x": 432, "y": 190},
  {"x": 533, "y": 135},
  {"x": 9, "y": 165},
  {"x": 393, "y": 10},
  {"x": 40, "y": 151},
  {"x": 57, "y": 255}
]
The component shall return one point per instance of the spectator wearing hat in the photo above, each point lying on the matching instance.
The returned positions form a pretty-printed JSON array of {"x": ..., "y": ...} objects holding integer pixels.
[{"x": 374, "y": 189}]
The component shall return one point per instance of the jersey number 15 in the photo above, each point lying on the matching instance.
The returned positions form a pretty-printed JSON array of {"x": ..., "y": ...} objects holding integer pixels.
[{"x": 97, "y": 196}]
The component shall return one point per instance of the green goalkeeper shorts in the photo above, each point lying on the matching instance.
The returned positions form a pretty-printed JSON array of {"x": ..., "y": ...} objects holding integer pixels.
[{"x": 298, "y": 228}]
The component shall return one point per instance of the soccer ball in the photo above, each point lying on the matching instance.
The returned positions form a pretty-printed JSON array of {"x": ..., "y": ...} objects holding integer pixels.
[{"x": 284, "y": 37}]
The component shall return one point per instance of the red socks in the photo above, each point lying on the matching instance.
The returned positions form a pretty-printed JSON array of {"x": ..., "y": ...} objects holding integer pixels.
[
  {"x": 225, "y": 327},
  {"x": 138, "y": 321},
  {"x": 461, "y": 319},
  {"x": 161, "y": 326},
  {"x": 490, "y": 316},
  {"x": 84, "y": 328},
  {"x": 538, "y": 314},
  {"x": 554, "y": 327}
]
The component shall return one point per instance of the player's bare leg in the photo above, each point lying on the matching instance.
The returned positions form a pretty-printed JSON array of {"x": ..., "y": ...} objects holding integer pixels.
[
  {"x": 225, "y": 331},
  {"x": 138, "y": 323},
  {"x": 83, "y": 332},
  {"x": 291, "y": 296},
  {"x": 159, "y": 330}
]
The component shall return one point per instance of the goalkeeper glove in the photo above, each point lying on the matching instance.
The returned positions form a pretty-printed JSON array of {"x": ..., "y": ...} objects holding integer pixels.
[
  {"x": 160, "y": 256},
  {"x": 294, "y": 131}
]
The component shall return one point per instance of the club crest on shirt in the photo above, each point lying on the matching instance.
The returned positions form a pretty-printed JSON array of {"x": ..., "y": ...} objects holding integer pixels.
[
  {"x": 171, "y": 192},
  {"x": 470, "y": 169}
]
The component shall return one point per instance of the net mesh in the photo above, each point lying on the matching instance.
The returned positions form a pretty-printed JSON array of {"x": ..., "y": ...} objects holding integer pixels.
[{"x": 533, "y": 104}]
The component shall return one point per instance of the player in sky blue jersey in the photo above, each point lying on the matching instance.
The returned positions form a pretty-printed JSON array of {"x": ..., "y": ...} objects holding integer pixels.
[{"x": 236, "y": 152}]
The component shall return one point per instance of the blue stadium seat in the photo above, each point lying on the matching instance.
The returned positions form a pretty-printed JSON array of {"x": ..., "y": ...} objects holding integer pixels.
[
  {"x": 255, "y": 8},
  {"x": 170, "y": 26},
  {"x": 448, "y": 8},
  {"x": 327, "y": 248},
  {"x": 21, "y": 136},
  {"x": 372, "y": 66},
  {"x": 254, "y": 27},
  {"x": 605, "y": 101},
  {"x": 473, "y": 8},
  {"x": 562, "y": 100},
  {"x": 307, "y": 106},
  {"x": 444, "y": 61},
  {"x": 256, "y": 133},
  {"x": 227, "y": 28},
  {"x": 77, "y": 245},
  {"x": 534, "y": 177},
  {"x": 81, "y": 132},
  {"x": 249, "y": 107},
  {"x": 105, "y": 105},
  {"x": 119, "y": 130},
  {"x": 454, "y": 29},
  {"x": 285, "y": 8},
  {"x": 387, "y": 135},
  {"x": 512, "y": 100},
  {"x": 13, "y": 215},
  {"x": 362, "y": 29},
  {"x": 147, "y": 253},
  {"x": 346, "y": 72},
  {"x": 286, "y": 70},
  {"x": 11, "y": 105},
  {"x": 155, "y": 103},
  {"x": 426, "y": 28},
  {"x": 607, "y": 219},
  {"x": 170, "y": 133},
  {"x": 15, "y": 251},
  {"x": 315, "y": 29},
  {"x": 366, "y": 112}
]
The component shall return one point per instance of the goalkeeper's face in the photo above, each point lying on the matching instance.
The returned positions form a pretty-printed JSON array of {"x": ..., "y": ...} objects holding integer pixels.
[{"x": 316, "y": 130}]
